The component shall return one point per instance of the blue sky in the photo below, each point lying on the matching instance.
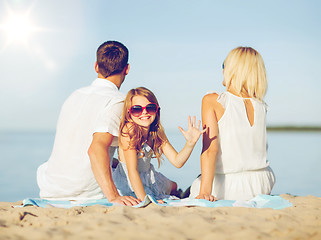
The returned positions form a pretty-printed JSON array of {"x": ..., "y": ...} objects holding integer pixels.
[{"x": 176, "y": 49}]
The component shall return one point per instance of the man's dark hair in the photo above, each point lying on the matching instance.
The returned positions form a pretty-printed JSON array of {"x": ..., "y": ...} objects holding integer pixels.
[{"x": 112, "y": 58}]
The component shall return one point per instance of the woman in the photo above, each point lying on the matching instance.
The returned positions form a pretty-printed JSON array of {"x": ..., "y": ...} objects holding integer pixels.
[{"x": 234, "y": 162}]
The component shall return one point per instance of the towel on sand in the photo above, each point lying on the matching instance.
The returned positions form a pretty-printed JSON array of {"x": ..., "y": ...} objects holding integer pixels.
[{"x": 260, "y": 201}]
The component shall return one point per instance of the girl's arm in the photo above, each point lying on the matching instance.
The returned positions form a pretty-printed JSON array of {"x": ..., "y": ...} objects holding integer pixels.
[
  {"x": 130, "y": 156},
  {"x": 191, "y": 135},
  {"x": 210, "y": 146}
]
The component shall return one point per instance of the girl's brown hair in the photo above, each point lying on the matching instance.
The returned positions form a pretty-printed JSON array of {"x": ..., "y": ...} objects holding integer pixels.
[{"x": 129, "y": 128}]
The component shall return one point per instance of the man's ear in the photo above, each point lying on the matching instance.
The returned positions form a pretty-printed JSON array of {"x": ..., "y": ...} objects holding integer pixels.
[
  {"x": 96, "y": 67},
  {"x": 127, "y": 69}
]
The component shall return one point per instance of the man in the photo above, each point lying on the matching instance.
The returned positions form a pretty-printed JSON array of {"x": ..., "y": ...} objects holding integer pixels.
[{"x": 87, "y": 135}]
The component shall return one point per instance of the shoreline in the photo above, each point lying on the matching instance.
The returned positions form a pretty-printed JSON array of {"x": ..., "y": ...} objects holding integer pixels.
[
  {"x": 272, "y": 127},
  {"x": 290, "y": 128},
  {"x": 301, "y": 221}
]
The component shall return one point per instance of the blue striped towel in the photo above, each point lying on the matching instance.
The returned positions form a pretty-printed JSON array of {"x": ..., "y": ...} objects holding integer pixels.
[{"x": 260, "y": 201}]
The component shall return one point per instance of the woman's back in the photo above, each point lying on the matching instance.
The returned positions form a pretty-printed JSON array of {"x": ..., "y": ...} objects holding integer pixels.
[{"x": 242, "y": 135}]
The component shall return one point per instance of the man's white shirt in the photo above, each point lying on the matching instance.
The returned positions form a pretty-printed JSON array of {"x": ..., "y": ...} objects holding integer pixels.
[{"x": 67, "y": 175}]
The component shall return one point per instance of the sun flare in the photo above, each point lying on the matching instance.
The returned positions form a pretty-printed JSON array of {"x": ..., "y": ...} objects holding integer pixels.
[
  {"x": 18, "y": 27},
  {"x": 18, "y": 30}
]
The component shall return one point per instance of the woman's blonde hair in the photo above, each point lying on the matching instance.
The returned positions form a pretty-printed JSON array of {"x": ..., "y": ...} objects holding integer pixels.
[
  {"x": 129, "y": 128},
  {"x": 244, "y": 70}
]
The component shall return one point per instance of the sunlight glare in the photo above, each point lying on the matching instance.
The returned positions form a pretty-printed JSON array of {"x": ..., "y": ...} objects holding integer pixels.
[{"x": 18, "y": 27}]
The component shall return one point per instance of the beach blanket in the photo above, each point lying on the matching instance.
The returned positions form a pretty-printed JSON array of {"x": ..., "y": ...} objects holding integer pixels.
[{"x": 261, "y": 201}]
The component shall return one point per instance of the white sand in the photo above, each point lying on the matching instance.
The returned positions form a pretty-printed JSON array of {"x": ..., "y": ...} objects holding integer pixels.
[{"x": 302, "y": 221}]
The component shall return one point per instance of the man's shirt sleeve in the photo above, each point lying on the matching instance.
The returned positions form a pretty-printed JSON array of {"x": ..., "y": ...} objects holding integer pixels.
[{"x": 109, "y": 119}]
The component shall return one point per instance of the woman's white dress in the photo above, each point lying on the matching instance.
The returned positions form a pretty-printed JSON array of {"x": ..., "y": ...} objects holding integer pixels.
[
  {"x": 242, "y": 169},
  {"x": 155, "y": 183}
]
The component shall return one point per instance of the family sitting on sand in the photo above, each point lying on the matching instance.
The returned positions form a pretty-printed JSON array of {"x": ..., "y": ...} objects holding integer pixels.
[{"x": 96, "y": 120}]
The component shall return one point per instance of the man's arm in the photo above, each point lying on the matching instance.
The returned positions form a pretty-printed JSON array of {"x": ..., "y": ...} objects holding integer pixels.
[{"x": 100, "y": 165}]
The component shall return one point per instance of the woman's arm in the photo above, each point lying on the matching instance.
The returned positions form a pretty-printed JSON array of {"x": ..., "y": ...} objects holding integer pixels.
[
  {"x": 191, "y": 135},
  {"x": 210, "y": 145},
  {"x": 130, "y": 156}
]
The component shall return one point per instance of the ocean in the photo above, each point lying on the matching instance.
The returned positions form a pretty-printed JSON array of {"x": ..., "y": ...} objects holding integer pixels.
[{"x": 295, "y": 158}]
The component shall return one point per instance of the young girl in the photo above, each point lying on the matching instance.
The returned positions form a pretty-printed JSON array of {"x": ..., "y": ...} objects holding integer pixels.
[
  {"x": 234, "y": 162},
  {"x": 141, "y": 136}
]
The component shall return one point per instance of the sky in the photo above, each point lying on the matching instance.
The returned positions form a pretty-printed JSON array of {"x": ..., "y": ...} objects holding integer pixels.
[{"x": 176, "y": 50}]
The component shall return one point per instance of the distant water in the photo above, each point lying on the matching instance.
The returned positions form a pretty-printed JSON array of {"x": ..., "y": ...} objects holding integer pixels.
[{"x": 295, "y": 158}]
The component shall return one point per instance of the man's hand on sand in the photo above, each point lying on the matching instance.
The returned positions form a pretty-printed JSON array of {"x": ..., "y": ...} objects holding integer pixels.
[{"x": 125, "y": 200}]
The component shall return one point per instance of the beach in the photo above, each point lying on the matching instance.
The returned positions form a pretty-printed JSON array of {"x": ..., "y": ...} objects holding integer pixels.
[{"x": 301, "y": 221}]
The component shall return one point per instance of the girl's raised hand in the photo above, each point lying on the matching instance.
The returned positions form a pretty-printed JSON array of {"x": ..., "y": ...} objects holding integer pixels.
[{"x": 193, "y": 133}]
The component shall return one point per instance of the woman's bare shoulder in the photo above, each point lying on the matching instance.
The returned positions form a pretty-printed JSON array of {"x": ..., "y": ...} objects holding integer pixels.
[
  {"x": 211, "y": 102},
  {"x": 210, "y": 98}
]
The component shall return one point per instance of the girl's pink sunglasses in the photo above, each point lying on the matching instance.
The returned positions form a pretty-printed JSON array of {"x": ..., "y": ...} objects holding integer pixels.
[{"x": 137, "y": 110}]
